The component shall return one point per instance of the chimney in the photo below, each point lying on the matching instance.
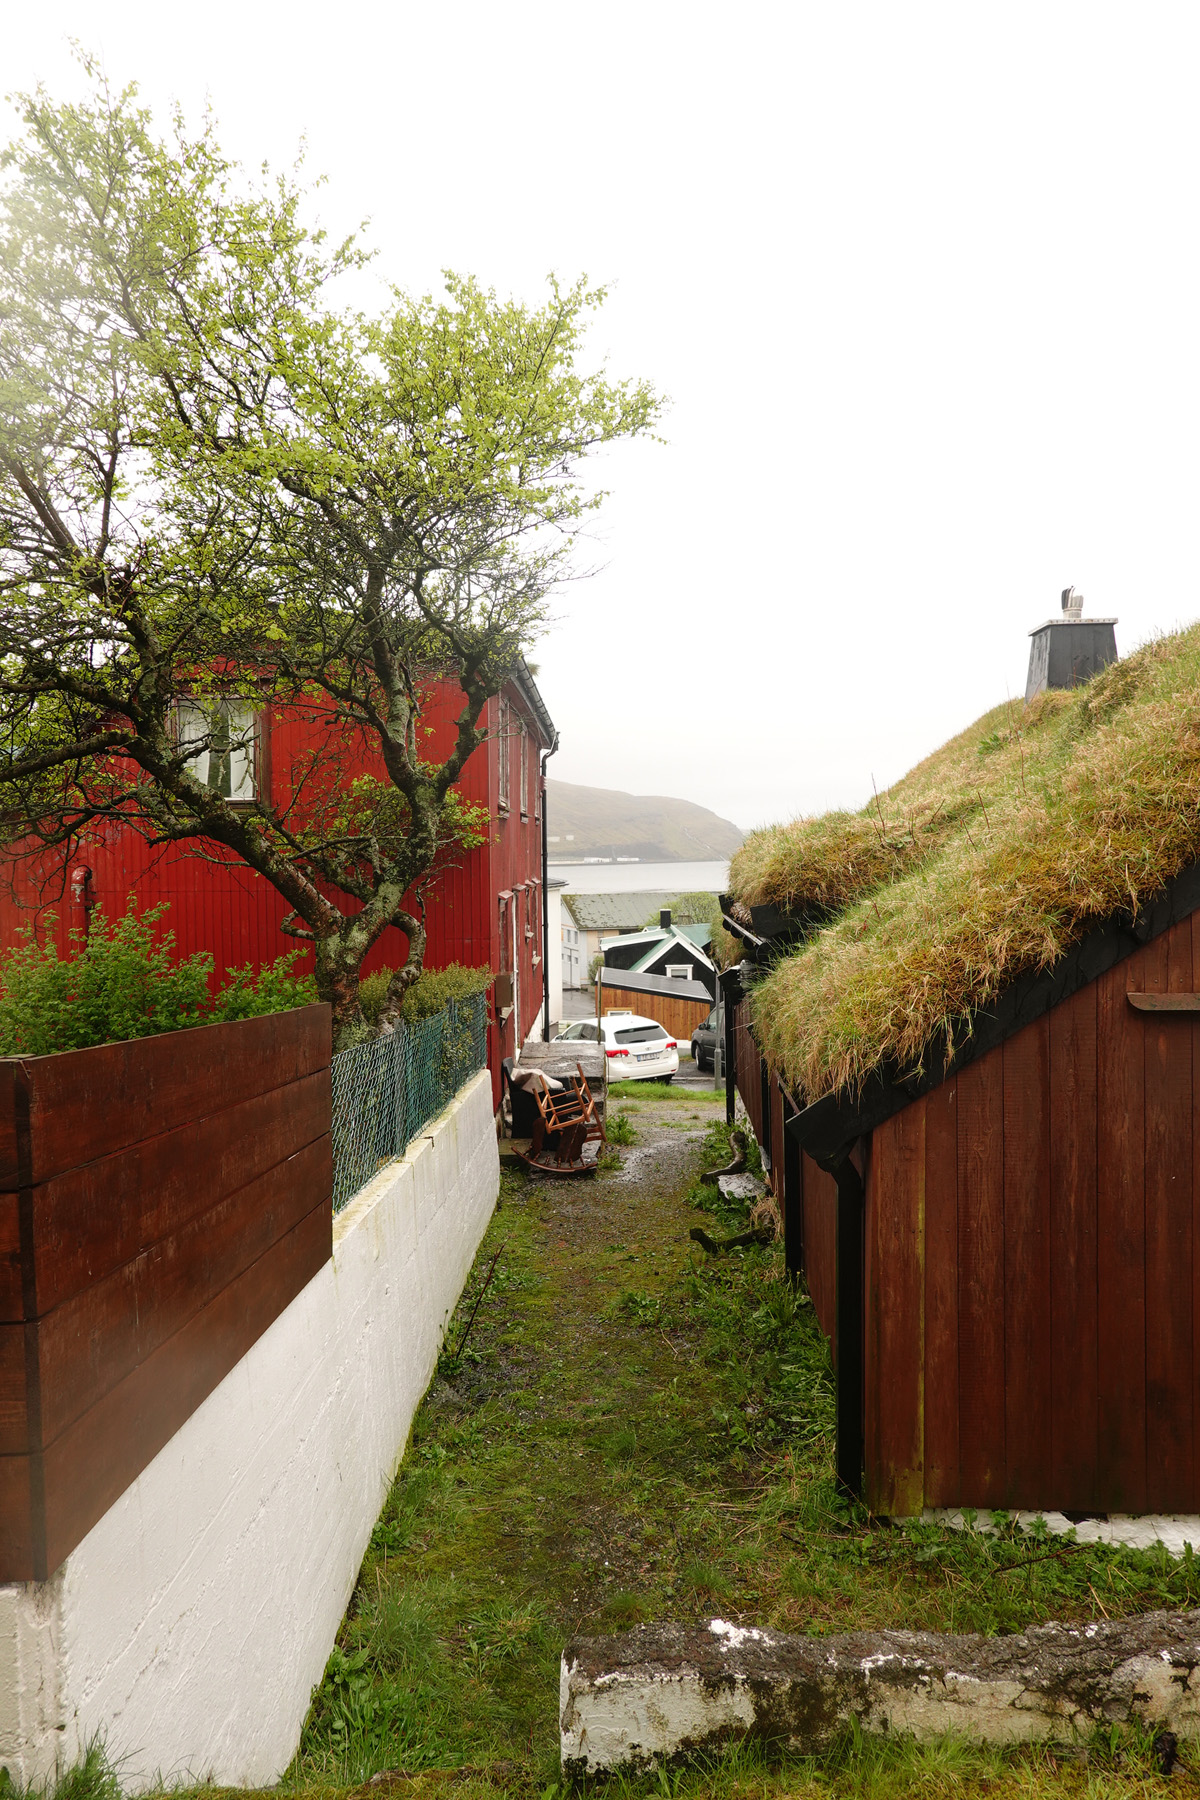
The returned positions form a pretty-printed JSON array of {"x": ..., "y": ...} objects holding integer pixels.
[
  {"x": 664, "y": 919},
  {"x": 1069, "y": 650}
]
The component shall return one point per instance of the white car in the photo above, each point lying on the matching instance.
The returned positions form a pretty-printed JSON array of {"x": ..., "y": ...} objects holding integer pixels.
[{"x": 637, "y": 1049}]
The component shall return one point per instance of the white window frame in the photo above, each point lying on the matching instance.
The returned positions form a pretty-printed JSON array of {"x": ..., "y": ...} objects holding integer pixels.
[
  {"x": 679, "y": 971},
  {"x": 226, "y": 727},
  {"x": 524, "y": 770},
  {"x": 504, "y": 758}
]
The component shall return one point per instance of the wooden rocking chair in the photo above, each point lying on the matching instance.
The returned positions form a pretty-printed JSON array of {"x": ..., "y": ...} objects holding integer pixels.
[{"x": 566, "y": 1121}]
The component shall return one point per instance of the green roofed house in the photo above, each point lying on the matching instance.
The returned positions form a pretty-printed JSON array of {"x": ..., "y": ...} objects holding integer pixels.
[
  {"x": 677, "y": 951},
  {"x": 597, "y": 916},
  {"x": 967, "y": 1033}
]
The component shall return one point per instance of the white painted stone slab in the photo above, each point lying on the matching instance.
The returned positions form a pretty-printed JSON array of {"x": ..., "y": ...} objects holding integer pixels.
[
  {"x": 1138, "y": 1531},
  {"x": 666, "y": 1691}
]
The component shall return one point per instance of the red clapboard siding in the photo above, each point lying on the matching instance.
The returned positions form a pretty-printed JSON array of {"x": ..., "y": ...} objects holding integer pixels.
[
  {"x": 892, "y": 1389},
  {"x": 1170, "y": 1479},
  {"x": 1026, "y": 1173},
  {"x": 1074, "y": 1350},
  {"x": 776, "y": 1136},
  {"x": 981, "y": 1419},
  {"x": 147, "y": 1267},
  {"x": 1121, "y": 1213},
  {"x": 819, "y": 1191},
  {"x": 1061, "y": 1263},
  {"x": 940, "y": 1409}
]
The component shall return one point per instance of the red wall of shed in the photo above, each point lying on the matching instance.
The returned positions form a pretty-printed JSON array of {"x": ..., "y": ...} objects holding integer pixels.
[{"x": 1033, "y": 1264}]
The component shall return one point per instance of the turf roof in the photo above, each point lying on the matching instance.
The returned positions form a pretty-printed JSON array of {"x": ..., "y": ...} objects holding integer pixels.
[{"x": 989, "y": 860}]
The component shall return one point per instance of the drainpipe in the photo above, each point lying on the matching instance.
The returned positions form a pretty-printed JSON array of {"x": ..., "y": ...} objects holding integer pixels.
[
  {"x": 546, "y": 899},
  {"x": 83, "y": 898}
]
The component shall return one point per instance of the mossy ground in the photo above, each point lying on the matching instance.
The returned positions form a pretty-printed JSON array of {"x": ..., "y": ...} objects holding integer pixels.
[{"x": 634, "y": 1431}]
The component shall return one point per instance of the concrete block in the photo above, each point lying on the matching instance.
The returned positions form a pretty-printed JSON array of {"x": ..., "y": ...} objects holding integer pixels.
[{"x": 666, "y": 1691}]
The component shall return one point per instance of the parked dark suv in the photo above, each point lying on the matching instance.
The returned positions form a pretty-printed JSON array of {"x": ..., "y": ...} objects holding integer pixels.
[{"x": 704, "y": 1042}]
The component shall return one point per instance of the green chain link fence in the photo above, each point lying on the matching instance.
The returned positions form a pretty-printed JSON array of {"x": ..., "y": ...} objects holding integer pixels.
[{"x": 386, "y": 1090}]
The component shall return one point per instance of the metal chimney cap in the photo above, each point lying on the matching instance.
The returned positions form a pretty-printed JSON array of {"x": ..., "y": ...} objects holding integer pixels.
[{"x": 1072, "y": 603}]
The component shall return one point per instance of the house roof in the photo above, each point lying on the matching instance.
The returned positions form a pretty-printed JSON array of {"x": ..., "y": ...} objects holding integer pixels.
[
  {"x": 633, "y": 981},
  {"x": 666, "y": 942},
  {"x": 614, "y": 912},
  {"x": 527, "y": 688},
  {"x": 987, "y": 866}
]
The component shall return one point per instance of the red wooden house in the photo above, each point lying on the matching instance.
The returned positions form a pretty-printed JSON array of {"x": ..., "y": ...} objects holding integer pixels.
[{"x": 483, "y": 908}]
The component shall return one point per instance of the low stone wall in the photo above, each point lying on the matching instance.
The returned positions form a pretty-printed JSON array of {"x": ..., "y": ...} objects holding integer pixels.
[
  {"x": 666, "y": 1691},
  {"x": 191, "y": 1624}
]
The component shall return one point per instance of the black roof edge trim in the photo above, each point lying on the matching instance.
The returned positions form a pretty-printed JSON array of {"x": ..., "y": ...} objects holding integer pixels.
[
  {"x": 828, "y": 1129},
  {"x": 527, "y": 687}
]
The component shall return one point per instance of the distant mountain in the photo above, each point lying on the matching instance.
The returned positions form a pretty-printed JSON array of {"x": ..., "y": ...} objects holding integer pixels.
[{"x": 588, "y": 821}]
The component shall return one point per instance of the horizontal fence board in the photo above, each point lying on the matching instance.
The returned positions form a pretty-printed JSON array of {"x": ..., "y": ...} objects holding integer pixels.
[
  {"x": 86, "y": 1104},
  {"x": 11, "y": 1279},
  {"x": 91, "y": 1342},
  {"x": 90, "y": 1465},
  {"x": 14, "y": 1423},
  {"x": 16, "y": 1520},
  {"x": 91, "y": 1220},
  {"x": 677, "y": 1015}
]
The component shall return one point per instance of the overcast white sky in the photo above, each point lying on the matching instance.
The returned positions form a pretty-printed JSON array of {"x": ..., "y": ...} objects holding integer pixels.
[{"x": 921, "y": 282}]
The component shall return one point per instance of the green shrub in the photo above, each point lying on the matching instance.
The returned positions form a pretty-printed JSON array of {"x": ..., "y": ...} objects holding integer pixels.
[
  {"x": 248, "y": 994},
  {"x": 118, "y": 984},
  {"x": 430, "y": 993},
  {"x": 121, "y": 982}
]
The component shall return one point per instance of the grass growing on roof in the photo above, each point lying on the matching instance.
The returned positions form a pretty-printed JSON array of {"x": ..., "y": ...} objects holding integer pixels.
[{"x": 989, "y": 861}]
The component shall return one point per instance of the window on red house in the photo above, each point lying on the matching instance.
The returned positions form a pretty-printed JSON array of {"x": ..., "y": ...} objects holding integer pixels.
[
  {"x": 226, "y": 735},
  {"x": 523, "y": 743},
  {"x": 504, "y": 757}
]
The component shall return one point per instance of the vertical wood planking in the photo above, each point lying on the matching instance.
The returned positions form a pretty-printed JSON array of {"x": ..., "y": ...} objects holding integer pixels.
[
  {"x": 1027, "y": 1436},
  {"x": 777, "y": 1142},
  {"x": 895, "y": 1433},
  {"x": 820, "y": 1243},
  {"x": 1121, "y": 1237},
  {"x": 1170, "y": 1448},
  {"x": 941, "y": 1295},
  {"x": 980, "y": 1149},
  {"x": 1074, "y": 1377}
]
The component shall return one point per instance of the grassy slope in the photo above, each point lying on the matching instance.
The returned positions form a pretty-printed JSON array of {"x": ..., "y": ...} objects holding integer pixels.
[
  {"x": 634, "y": 1431},
  {"x": 990, "y": 859}
]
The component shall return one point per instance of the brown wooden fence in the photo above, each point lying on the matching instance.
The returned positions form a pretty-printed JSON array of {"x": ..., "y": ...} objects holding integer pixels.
[
  {"x": 675, "y": 1013},
  {"x": 161, "y": 1202}
]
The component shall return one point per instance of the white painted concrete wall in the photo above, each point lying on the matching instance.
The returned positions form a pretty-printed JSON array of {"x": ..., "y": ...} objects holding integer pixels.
[{"x": 192, "y": 1623}]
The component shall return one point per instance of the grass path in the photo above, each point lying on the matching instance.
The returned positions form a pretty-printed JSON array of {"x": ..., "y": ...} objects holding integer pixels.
[{"x": 634, "y": 1431}]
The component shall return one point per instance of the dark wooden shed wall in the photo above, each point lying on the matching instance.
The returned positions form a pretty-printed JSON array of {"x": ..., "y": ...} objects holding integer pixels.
[
  {"x": 1032, "y": 1260},
  {"x": 1032, "y": 1272}
]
